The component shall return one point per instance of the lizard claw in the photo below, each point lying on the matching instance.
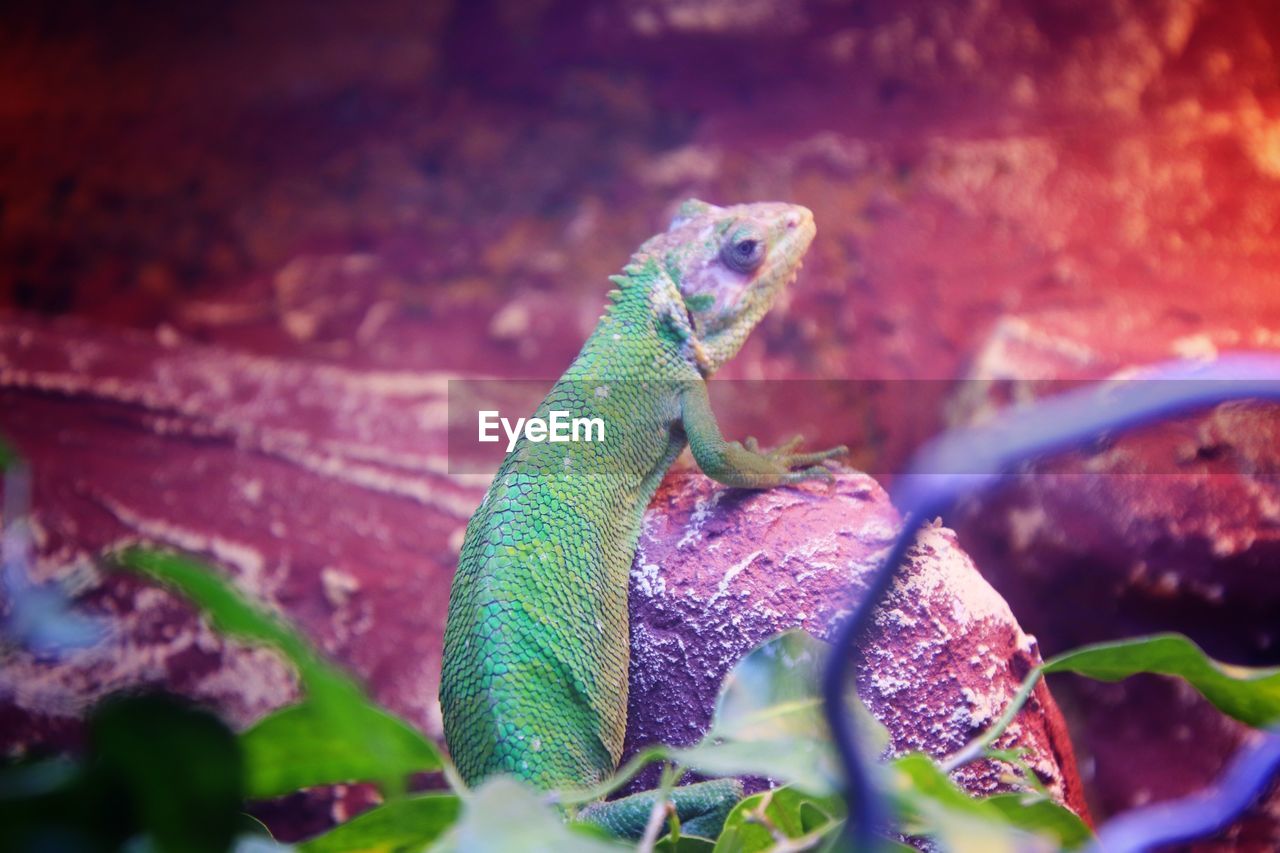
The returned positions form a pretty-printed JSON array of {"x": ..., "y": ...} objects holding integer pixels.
[
  {"x": 814, "y": 472},
  {"x": 784, "y": 465},
  {"x": 783, "y": 451},
  {"x": 779, "y": 454},
  {"x": 785, "y": 456},
  {"x": 794, "y": 459},
  {"x": 799, "y": 467}
]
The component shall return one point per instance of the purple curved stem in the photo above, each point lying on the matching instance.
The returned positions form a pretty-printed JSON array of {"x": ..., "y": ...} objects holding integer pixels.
[
  {"x": 37, "y": 618},
  {"x": 1200, "y": 814}
]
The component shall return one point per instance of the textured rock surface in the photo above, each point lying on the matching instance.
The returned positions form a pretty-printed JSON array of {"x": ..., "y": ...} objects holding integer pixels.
[
  {"x": 1172, "y": 528},
  {"x": 720, "y": 570},
  {"x": 323, "y": 492}
]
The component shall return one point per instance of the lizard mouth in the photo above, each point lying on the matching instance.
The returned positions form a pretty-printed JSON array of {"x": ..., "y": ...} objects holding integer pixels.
[{"x": 790, "y": 251}]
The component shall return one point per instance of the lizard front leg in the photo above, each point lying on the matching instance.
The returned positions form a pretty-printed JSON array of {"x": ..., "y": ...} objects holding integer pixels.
[{"x": 745, "y": 466}]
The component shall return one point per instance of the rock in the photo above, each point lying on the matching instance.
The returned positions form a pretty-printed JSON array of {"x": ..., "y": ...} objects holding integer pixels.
[
  {"x": 322, "y": 491},
  {"x": 720, "y": 570},
  {"x": 1174, "y": 527},
  {"x": 1123, "y": 156}
]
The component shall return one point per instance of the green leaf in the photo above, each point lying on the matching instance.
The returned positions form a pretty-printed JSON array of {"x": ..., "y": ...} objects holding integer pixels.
[
  {"x": 8, "y": 455},
  {"x": 503, "y": 815},
  {"x": 296, "y": 747},
  {"x": 180, "y": 766},
  {"x": 401, "y": 825},
  {"x": 807, "y": 763},
  {"x": 226, "y": 608},
  {"x": 791, "y": 813},
  {"x": 769, "y": 722},
  {"x": 918, "y": 779},
  {"x": 930, "y": 804},
  {"x": 335, "y": 735},
  {"x": 741, "y": 834},
  {"x": 1044, "y": 817},
  {"x": 685, "y": 844},
  {"x": 160, "y": 774},
  {"x": 1249, "y": 695}
]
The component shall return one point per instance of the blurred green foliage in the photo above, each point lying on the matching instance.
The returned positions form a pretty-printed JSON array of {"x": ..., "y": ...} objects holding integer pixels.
[
  {"x": 336, "y": 734},
  {"x": 406, "y": 824},
  {"x": 159, "y": 774},
  {"x": 769, "y": 716},
  {"x": 156, "y": 771}
]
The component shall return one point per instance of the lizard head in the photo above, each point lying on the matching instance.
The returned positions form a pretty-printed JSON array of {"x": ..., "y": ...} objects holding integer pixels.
[{"x": 728, "y": 265}]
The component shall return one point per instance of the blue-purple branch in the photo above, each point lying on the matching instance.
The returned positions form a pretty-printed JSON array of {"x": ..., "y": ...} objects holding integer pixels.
[
  {"x": 966, "y": 460},
  {"x": 38, "y": 618},
  {"x": 1200, "y": 814}
]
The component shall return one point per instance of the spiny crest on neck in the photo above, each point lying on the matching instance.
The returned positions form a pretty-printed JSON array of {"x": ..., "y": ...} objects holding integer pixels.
[
  {"x": 635, "y": 276},
  {"x": 644, "y": 288}
]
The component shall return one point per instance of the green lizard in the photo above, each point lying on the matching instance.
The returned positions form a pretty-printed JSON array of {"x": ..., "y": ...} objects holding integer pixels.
[{"x": 537, "y": 646}]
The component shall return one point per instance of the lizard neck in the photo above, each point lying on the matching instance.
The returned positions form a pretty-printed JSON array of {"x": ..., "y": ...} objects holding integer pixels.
[{"x": 648, "y": 311}]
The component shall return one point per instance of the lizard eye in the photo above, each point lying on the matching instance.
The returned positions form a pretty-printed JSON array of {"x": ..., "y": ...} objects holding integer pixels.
[{"x": 743, "y": 255}]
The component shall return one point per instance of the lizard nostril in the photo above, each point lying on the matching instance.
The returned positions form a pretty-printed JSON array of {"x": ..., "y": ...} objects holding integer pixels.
[{"x": 793, "y": 221}]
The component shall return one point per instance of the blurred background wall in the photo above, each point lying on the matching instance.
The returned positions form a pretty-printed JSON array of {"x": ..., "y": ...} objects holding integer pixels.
[{"x": 446, "y": 186}]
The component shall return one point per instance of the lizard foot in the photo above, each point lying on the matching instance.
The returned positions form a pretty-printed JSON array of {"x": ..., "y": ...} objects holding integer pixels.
[{"x": 799, "y": 467}]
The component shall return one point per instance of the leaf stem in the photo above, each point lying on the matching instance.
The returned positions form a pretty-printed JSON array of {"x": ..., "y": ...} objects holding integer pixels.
[
  {"x": 452, "y": 777},
  {"x": 662, "y": 808},
  {"x": 973, "y": 751},
  {"x": 577, "y": 796}
]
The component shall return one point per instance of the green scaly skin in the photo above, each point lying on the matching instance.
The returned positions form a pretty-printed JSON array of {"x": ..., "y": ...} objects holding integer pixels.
[{"x": 537, "y": 645}]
